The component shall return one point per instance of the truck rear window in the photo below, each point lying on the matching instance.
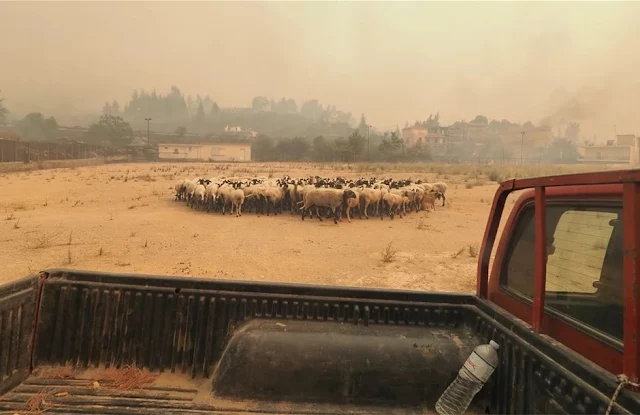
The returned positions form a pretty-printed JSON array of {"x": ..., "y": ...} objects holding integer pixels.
[{"x": 584, "y": 264}]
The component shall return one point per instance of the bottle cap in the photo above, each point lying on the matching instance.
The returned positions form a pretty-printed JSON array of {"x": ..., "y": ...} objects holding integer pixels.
[{"x": 494, "y": 345}]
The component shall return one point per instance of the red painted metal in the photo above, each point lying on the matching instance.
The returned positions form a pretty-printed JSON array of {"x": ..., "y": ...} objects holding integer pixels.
[
  {"x": 489, "y": 238},
  {"x": 541, "y": 260},
  {"x": 604, "y": 177},
  {"x": 591, "y": 348},
  {"x": 631, "y": 282},
  {"x": 587, "y": 185}
]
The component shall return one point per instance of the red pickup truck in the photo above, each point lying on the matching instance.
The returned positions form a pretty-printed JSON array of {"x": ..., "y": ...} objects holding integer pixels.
[{"x": 562, "y": 300}]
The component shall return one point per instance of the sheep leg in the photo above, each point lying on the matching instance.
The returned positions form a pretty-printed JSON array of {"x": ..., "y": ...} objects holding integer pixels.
[
  {"x": 443, "y": 199},
  {"x": 366, "y": 207},
  {"x": 348, "y": 214},
  {"x": 318, "y": 213},
  {"x": 335, "y": 215}
]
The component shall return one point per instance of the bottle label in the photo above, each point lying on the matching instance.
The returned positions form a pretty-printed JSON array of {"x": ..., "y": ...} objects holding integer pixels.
[{"x": 479, "y": 367}]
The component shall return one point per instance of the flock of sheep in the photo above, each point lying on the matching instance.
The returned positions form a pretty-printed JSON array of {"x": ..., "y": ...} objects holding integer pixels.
[{"x": 328, "y": 197}]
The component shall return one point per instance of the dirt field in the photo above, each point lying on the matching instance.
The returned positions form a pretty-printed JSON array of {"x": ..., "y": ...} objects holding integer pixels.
[{"x": 122, "y": 218}]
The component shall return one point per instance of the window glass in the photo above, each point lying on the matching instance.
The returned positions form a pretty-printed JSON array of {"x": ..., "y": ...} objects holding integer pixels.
[
  {"x": 580, "y": 242},
  {"x": 584, "y": 264}
]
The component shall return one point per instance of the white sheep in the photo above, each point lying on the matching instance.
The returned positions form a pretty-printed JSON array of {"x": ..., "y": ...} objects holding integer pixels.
[
  {"x": 370, "y": 197},
  {"x": 393, "y": 202},
  {"x": 198, "y": 197},
  {"x": 210, "y": 194},
  {"x": 224, "y": 192},
  {"x": 236, "y": 197},
  {"x": 329, "y": 198},
  {"x": 352, "y": 203},
  {"x": 180, "y": 189}
]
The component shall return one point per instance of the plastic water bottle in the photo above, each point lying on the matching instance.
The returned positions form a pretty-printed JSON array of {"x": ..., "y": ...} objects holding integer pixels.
[{"x": 471, "y": 378}]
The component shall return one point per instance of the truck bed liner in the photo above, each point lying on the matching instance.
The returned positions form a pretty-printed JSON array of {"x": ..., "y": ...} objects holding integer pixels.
[
  {"x": 200, "y": 330},
  {"x": 193, "y": 397}
]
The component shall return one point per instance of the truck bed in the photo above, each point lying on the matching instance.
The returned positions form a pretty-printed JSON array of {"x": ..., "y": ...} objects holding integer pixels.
[
  {"x": 168, "y": 393},
  {"x": 83, "y": 342}
]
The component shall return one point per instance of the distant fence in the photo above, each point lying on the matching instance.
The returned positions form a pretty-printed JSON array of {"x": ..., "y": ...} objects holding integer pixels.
[{"x": 28, "y": 151}]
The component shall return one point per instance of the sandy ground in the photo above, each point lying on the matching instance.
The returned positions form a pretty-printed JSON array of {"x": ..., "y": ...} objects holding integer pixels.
[{"x": 122, "y": 218}]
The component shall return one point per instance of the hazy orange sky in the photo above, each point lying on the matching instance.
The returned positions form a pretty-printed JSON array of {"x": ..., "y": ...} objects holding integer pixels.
[{"x": 392, "y": 61}]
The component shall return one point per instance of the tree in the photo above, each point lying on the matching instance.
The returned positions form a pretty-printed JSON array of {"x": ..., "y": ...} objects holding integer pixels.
[
  {"x": 341, "y": 149},
  {"x": 572, "y": 132},
  {"x": 356, "y": 143},
  {"x": 200, "y": 113},
  {"x": 480, "y": 119},
  {"x": 3, "y": 111},
  {"x": 322, "y": 150},
  {"x": 311, "y": 109},
  {"x": 181, "y": 131},
  {"x": 190, "y": 104},
  {"x": 215, "y": 110},
  {"x": 261, "y": 104},
  {"x": 112, "y": 130},
  {"x": 115, "y": 108},
  {"x": 35, "y": 127},
  {"x": 106, "y": 108},
  {"x": 398, "y": 133},
  {"x": 262, "y": 148},
  {"x": 562, "y": 150},
  {"x": 363, "y": 126},
  {"x": 292, "y": 107},
  {"x": 528, "y": 125},
  {"x": 392, "y": 148},
  {"x": 294, "y": 149}
]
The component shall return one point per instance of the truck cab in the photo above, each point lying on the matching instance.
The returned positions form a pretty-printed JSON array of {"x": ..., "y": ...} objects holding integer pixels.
[{"x": 557, "y": 289}]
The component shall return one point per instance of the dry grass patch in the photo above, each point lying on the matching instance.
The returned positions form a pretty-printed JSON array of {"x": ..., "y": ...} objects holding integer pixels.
[
  {"x": 56, "y": 372},
  {"x": 138, "y": 206},
  {"x": 471, "y": 250},
  {"x": 42, "y": 240},
  {"x": 38, "y": 403},
  {"x": 126, "y": 378},
  {"x": 145, "y": 178},
  {"x": 389, "y": 253},
  {"x": 19, "y": 206}
]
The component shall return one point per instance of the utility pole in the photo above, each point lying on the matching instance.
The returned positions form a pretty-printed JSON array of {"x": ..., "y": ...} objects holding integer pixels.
[
  {"x": 148, "y": 135},
  {"x": 368, "y": 143},
  {"x": 521, "y": 146}
]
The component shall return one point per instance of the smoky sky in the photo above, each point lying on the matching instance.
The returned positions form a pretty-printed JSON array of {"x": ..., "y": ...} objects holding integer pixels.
[{"x": 544, "y": 62}]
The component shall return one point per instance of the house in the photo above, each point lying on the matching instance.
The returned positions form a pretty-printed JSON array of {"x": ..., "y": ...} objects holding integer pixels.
[
  {"x": 232, "y": 129},
  {"x": 623, "y": 150},
  {"x": 218, "y": 151},
  {"x": 411, "y": 135},
  {"x": 535, "y": 137}
]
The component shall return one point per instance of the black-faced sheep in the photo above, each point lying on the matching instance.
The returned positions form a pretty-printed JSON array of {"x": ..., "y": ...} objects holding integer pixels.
[{"x": 441, "y": 188}]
